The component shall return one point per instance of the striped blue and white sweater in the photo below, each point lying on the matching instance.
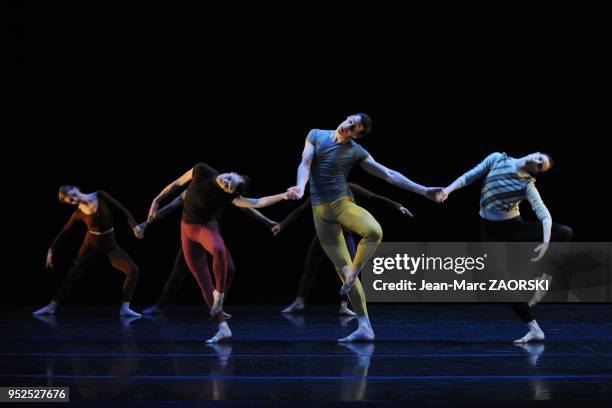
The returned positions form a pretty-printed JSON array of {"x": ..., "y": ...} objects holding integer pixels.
[{"x": 503, "y": 189}]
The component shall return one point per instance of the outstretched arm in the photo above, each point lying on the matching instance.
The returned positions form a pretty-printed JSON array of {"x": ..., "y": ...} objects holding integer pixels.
[
  {"x": 293, "y": 216},
  {"x": 297, "y": 192},
  {"x": 169, "y": 189},
  {"x": 167, "y": 209},
  {"x": 397, "y": 179},
  {"x": 471, "y": 176},
  {"x": 259, "y": 202},
  {"x": 117, "y": 206},
  {"x": 256, "y": 215},
  {"x": 162, "y": 212},
  {"x": 365, "y": 194}
]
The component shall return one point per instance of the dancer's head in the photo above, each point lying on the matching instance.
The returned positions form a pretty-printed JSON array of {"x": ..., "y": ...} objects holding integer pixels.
[
  {"x": 70, "y": 195},
  {"x": 537, "y": 163},
  {"x": 234, "y": 183},
  {"x": 355, "y": 126}
]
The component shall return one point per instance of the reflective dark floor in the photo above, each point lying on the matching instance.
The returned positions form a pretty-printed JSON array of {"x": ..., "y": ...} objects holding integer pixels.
[{"x": 424, "y": 354}]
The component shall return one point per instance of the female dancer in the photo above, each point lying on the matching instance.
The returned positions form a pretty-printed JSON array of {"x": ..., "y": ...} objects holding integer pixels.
[
  {"x": 507, "y": 182},
  {"x": 97, "y": 211},
  {"x": 180, "y": 270},
  {"x": 207, "y": 194},
  {"x": 315, "y": 255},
  {"x": 327, "y": 159}
]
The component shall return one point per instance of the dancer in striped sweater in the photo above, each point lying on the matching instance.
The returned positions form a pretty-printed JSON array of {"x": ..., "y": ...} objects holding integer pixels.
[{"x": 507, "y": 182}]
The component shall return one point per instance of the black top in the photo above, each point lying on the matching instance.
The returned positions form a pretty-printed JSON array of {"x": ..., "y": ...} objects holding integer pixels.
[
  {"x": 205, "y": 199},
  {"x": 100, "y": 221}
]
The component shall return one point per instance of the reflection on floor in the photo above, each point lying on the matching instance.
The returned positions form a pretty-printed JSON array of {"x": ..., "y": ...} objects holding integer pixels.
[{"x": 434, "y": 354}]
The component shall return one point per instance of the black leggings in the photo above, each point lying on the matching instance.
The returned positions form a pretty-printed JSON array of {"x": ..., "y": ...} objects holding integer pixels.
[
  {"x": 175, "y": 281},
  {"x": 315, "y": 258},
  {"x": 517, "y": 230},
  {"x": 93, "y": 248}
]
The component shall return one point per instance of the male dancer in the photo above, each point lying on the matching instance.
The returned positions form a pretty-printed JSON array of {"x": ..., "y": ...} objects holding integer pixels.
[
  {"x": 207, "y": 194},
  {"x": 180, "y": 269},
  {"x": 316, "y": 256},
  {"x": 327, "y": 159}
]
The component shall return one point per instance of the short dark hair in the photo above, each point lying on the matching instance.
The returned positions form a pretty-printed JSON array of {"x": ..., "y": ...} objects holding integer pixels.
[
  {"x": 245, "y": 185},
  {"x": 366, "y": 122}
]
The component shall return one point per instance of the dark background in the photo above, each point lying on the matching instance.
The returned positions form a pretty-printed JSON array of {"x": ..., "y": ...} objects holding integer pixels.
[{"x": 127, "y": 101}]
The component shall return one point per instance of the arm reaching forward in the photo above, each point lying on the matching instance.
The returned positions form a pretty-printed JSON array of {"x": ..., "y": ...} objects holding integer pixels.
[
  {"x": 169, "y": 189},
  {"x": 259, "y": 202},
  {"x": 397, "y": 179}
]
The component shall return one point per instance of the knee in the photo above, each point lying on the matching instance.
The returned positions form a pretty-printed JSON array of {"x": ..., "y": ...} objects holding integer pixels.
[
  {"x": 219, "y": 252},
  {"x": 374, "y": 233},
  {"x": 564, "y": 233},
  {"x": 133, "y": 272}
]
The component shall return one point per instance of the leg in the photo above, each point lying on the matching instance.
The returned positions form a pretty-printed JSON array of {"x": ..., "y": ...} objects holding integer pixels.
[
  {"x": 358, "y": 220},
  {"x": 83, "y": 260},
  {"x": 314, "y": 258},
  {"x": 209, "y": 237},
  {"x": 120, "y": 260},
  {"x": 509, "y": 231},
  {"x": 352, "y": 248},
  {"x": 523, "y": 310},
  {"x": 197, "y": 262},
  {"x": 332, "y": 242},
  {"x": 174, "y": 282}
]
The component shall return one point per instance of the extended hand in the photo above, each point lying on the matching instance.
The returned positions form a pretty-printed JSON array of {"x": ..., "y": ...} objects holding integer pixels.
[
  {"x": 139, "y": 231},
  {"x": 542, "y": 248},
  {"x": 276, "y": 229},
  {"x": 441, "y": 196},
  {"x": 405, "y": 211},
  {"x": 432, "y": 193},
  {"x": 49, "y": 261},
  {"x": 295, "y": 193}
]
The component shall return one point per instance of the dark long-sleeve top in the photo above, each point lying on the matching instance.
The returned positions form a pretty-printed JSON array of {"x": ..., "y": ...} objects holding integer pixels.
[{"x": 100, "y": 221}]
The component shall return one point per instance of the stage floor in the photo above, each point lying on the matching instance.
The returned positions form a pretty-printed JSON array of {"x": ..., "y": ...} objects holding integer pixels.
[{"x": 452, "y": 354}]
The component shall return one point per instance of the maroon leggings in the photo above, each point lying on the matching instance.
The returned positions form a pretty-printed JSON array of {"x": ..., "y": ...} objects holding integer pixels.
[{"x": 199, "y": 240}]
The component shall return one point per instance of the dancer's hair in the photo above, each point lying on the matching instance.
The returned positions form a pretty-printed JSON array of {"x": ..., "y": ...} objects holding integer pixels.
[
  {"x": 245, "y": 185},
  {"x": 366, "y": 121}
]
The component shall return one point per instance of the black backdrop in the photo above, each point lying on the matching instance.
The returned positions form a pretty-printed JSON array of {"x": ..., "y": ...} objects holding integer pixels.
[{"x": 127, "y": 104}]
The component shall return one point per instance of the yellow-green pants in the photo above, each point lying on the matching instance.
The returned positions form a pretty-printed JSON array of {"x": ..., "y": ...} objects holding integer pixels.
[{"x": 329, "y": 218}]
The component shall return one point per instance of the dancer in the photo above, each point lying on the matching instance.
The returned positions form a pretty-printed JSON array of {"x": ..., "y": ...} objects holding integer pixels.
[
  {"x": 180, "y": 269},
  {"x": 507, "y": 182},
  {"x": 205, "y": 198},
  {"x": 97, "y": 211},
  {"x": 327, "y": 159},
  {"x": 315, "y": 255}
]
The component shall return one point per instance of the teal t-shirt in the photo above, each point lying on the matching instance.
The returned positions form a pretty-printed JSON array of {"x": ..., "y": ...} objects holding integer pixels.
[{"x": 331, "y": 165}]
